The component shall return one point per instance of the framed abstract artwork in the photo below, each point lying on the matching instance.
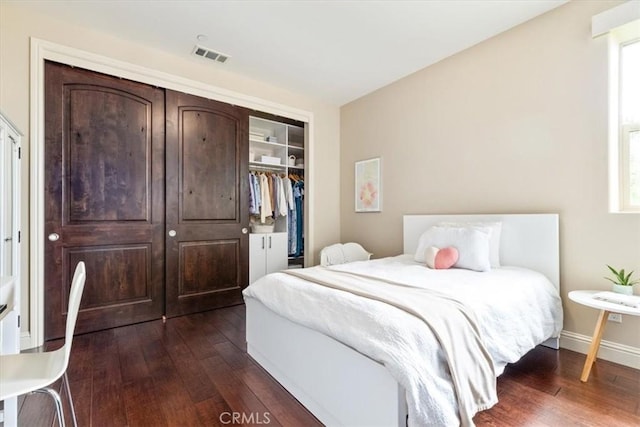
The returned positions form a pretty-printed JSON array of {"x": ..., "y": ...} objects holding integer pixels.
[{"x": 368, "y": 186}]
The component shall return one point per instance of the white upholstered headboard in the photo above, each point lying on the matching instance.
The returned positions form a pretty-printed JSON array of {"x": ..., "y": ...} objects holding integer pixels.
[{"x": 527, "y": 240}]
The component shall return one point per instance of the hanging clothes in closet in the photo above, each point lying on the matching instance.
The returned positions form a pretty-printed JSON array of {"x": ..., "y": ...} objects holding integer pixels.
[
  {"x": 268, "y": 195},
  {"x": 296, "y": 217},
  {"x": 273, "y": 196}
]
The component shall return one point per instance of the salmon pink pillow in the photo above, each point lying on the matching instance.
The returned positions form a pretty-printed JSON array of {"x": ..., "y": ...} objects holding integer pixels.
[{"x": 441, "y": 259}]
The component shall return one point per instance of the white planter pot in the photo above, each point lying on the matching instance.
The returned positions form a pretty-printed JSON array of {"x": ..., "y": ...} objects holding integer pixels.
[{"x": 627, "y": 290}]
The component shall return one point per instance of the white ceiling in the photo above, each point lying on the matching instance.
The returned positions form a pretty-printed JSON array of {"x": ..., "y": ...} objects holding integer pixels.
[{"x": 336, "y": 51}]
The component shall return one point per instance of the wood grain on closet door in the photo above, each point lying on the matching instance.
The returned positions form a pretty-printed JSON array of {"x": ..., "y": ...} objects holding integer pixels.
[
  {"x": 207, "y": 204},
  {"x": 104, "y": 198}
]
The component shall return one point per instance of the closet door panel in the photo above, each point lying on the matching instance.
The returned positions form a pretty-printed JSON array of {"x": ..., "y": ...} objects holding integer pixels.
[
  {"x": 118, "y": 276},
  {"x": 204, "y": 266},
  {"x": 104, "y": 198},
  {"x": 207, "y": 204},
  {"x": 209, "y": 190},
  {"x": 110, "y": 154}
]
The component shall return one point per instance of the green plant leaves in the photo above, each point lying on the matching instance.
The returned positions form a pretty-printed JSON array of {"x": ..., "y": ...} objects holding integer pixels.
[{"x": 621, "y": 278}]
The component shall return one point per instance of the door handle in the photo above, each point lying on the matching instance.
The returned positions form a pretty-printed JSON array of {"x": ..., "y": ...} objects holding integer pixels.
[
  {"x": 269, "y": 242},
  {"x": 8, "y": 239},
  {"x": 54, "y": 237},
  {"x": 262, "y": 242},
  {"x": 172, "y": 233},
  {"x": 244, "y": 230}
]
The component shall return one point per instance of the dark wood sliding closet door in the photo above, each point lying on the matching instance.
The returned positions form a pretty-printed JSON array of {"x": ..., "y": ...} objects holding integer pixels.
[
  {"x": 207, "y": 204},
  {"x": 104, "y": 198}
]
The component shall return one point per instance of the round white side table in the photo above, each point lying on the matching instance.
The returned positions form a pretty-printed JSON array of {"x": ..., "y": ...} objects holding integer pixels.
[{"x": 586, "y": 298}]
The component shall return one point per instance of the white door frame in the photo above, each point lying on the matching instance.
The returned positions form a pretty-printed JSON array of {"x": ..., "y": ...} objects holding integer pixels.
[{"x": 42, "y": 50}]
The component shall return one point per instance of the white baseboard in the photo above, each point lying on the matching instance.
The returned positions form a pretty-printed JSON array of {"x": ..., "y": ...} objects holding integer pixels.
[{"x": 611, "y": 351}]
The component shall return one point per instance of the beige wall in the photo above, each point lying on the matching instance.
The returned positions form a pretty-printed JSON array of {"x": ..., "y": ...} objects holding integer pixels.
[
  {"x": 17, "y": 26},
  {"x": 515, "y": 124}
]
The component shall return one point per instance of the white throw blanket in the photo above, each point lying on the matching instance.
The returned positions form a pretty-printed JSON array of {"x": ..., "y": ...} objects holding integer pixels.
[
  {"x": 469, "y": 363},
  {"x": 516, "y": 309}
]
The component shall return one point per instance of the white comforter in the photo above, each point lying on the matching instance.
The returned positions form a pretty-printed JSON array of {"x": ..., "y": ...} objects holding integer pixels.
[{"x": 516, "y": 309}]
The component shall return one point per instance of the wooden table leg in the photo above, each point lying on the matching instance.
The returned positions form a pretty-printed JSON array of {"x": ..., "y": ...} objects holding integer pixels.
[{"x": 595, "y": 345}]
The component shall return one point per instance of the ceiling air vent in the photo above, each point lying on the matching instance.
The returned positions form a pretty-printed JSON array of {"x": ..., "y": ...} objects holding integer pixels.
[{"x": 210, "y": 54}]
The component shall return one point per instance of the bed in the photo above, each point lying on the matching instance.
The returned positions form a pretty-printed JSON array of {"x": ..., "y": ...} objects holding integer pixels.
[{"x": 345, "y": 379}]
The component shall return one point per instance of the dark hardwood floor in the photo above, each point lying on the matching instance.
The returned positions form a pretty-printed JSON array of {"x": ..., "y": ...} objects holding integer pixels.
[{"x": 194, "y": 371}]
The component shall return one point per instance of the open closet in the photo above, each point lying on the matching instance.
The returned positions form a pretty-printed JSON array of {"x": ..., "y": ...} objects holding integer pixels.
[{"x": 276, "y": 201}]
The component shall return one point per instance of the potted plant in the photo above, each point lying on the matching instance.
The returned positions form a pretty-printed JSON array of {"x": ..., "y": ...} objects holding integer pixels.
[{"x": 622, "y": 282}]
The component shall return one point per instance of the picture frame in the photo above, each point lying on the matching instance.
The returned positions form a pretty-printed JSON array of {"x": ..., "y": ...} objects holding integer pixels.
[{"x": 368, "y": 185}]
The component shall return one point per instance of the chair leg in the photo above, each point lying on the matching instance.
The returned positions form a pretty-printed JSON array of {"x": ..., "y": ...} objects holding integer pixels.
[
  {"x": 56, "y": 398},
  {"x": 65, "y": 382}
]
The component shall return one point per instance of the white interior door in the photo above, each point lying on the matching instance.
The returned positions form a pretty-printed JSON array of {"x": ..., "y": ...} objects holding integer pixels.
[
  {"x": 9, "y": 259},
  {"x": 9, "y": 201},
  {"x": 6, "y": 198}
]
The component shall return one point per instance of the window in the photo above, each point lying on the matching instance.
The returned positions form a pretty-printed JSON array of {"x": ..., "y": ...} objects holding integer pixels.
[
  {"x": 621, "y": 25},
  {"x": 629, "y": 126}
]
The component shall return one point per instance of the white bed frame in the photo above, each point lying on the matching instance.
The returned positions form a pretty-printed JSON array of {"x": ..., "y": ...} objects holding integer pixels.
[{"x": 343, "y": 387}]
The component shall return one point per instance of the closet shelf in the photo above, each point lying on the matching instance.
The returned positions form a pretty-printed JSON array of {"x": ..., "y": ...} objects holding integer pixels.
[
  {"x": 259, "y": 141},
  {"x": 269, "y": 166}
]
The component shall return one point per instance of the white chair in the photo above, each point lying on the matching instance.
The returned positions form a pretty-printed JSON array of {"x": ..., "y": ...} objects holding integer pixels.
[
  {"x": 36, "y": 372},
  {"x": 341, "y": 253}
]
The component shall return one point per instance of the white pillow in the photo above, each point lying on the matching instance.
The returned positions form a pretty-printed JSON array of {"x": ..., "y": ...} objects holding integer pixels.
[
  {"x": 495, "y": 229},
  {"x": 471, "y": 242}
]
